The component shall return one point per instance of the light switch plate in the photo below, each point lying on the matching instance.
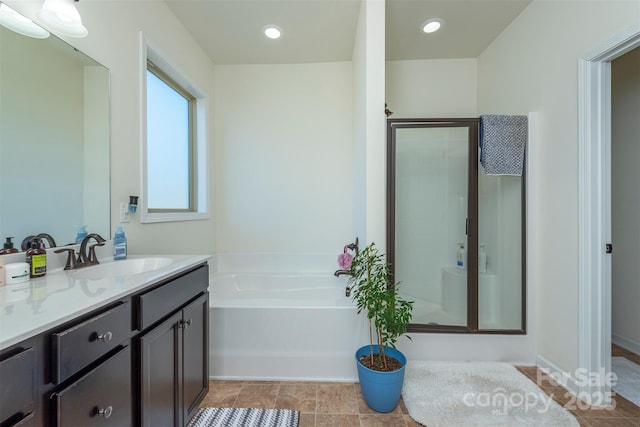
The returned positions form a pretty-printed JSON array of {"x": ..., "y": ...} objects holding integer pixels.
[{"x": 125, "y": 216}]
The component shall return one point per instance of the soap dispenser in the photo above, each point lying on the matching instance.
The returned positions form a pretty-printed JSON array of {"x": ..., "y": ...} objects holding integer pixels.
[
  {"x": 119, "y": 244},
  {"x": 82, "y": 233},
  {"x": 8, "y": 247}
]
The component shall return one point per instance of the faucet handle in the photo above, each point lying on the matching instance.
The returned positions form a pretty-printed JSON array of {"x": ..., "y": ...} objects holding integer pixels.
[
  {"x": 71, "y": 258},
  {"x": 93, "y": 258}
]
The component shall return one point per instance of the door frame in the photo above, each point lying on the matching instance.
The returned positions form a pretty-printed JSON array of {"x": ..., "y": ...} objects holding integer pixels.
[{"x": 594, "y": 220}]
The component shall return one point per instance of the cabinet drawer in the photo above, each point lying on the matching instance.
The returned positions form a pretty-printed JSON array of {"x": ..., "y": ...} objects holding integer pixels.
[
  {"x": 28, "y": 420},
  {"x": 100, "y": 398},
  {"x": 78, "y": 346},
  {"x": 165, "y": 299},
  {"x": 17, "y": 383}
]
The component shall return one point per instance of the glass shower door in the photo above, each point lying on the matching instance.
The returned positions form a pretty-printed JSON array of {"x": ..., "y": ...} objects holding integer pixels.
[{"x": 430, "y": 211}]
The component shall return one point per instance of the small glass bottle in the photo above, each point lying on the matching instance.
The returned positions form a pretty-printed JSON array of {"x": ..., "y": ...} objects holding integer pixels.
[
  {"x": 461, "y": 257},
  {"x": 37, "y": 259},
  {"x": 8, "y": 247}
]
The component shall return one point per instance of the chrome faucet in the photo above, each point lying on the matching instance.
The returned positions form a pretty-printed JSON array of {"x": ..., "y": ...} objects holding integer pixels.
[{"x": 83, "y": 259}]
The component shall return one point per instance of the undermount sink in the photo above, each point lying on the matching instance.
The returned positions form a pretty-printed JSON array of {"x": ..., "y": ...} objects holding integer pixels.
[{"x": 122, "y": 268}]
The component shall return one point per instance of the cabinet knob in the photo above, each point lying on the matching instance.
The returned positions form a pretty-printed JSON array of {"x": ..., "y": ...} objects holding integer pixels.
[
  {"x": 106, "y": 337},
  {"x": 106, "y": 412},
  {"x": 184, "y": 323}
]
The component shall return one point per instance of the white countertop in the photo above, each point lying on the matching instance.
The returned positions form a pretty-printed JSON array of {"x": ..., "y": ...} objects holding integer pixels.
[{"x": 40, "y": 304}]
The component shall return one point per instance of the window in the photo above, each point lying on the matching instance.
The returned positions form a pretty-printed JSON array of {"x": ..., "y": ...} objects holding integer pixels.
[
  {"x": 174, "y": 144},
  {"x": 170, "y": 124}
]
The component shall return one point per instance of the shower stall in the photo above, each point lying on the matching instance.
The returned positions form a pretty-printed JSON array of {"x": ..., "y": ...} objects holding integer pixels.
[{"x": 454, "y": 235}]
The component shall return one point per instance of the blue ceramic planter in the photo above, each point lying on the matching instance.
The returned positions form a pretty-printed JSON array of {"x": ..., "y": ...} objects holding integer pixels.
[{"x": 381, "y": 390}]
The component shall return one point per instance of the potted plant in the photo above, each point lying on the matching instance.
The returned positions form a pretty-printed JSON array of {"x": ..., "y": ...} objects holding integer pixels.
[{"x": 380, "y": 365}]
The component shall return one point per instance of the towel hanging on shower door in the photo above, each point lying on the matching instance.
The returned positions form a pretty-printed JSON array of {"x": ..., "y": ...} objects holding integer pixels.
[{"x": 502, "y": 144}]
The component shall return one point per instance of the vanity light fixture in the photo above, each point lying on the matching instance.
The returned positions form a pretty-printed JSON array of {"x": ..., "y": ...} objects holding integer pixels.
[
  {"x": 20, "y": 24},
  {"x": 63, "y": 17},
  {"x": 272, "y": 31},
  {"x": 431, "y": 26}
]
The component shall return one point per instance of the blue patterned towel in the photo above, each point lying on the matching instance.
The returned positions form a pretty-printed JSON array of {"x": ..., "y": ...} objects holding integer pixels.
[{"x": 502, "y": 143}]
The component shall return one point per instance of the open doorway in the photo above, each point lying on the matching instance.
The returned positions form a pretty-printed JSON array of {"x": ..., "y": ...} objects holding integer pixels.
[
  {"x": 625, "y": 228},
  {"x": 595, "y": 272}
]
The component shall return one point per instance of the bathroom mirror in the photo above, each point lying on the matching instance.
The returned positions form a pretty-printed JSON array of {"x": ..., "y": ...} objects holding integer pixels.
[{"x": 54, "y": 140}]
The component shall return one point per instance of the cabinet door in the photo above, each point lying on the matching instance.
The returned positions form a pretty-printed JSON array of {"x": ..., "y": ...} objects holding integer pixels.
[
  {"x": 160, "y": 373},
  {"x": 195, "y": 351},
  {"x": 17, "y": 384},
  {"x": 100, "y": 398}
]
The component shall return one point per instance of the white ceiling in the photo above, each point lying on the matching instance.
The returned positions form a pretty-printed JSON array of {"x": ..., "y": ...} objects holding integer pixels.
[{"x": 230, "y": 31}]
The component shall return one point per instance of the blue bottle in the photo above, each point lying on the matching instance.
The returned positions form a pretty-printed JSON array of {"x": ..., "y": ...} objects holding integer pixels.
[
  {"x": 119, "y": 244},
  {"x": 82, "y": 233}
]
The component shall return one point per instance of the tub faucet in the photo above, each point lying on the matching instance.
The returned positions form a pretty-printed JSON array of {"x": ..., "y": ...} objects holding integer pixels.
[{"x": 338, "y": 273}]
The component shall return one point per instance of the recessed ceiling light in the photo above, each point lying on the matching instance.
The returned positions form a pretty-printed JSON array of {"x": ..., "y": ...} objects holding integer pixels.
[
  {"x": 431, "y": 25},
  {"x": 272, "y": 31}
]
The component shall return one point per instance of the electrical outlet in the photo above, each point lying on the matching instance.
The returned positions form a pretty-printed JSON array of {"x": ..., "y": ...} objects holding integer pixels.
[{"x": 124, "y": 213}]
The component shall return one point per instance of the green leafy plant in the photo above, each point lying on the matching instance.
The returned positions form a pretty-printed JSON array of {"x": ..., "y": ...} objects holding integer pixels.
[{"x": 375, "y": 293}]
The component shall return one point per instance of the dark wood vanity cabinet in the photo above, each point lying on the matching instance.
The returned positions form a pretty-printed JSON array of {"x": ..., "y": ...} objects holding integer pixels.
[
  {"x": 102, "y": 397},
  {"x": 174, "y": 366},
  {"x": 141, "y": 360},
  {"x": 18, "y": 384},
  {"x": 174, "y": 355}
]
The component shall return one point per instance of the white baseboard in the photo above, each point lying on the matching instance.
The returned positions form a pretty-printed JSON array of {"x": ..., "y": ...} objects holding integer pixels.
[
  {"x": 569, "y": 381},
  {"x": 577, "y": 383},
  {"x": 625, "y": 343}
]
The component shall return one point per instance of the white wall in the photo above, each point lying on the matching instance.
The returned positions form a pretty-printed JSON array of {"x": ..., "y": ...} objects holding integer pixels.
[
  {"x": 442, "y": 88},
  {"x": 284, "y": 157},
  {"x": 369, "y": 167},
  {"x": 113, "y": 41},
  {"x": 625, "y": 199},
  {"x": 532, "y": 66},
  {"x": 96, "y": 147}
]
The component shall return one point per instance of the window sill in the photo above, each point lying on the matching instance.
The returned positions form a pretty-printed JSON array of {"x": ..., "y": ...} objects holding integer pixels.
[{"x": 173, "y": 217}]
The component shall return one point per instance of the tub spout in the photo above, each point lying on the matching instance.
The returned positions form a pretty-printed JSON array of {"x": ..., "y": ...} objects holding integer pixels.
[{"x": 339, "y": 273}]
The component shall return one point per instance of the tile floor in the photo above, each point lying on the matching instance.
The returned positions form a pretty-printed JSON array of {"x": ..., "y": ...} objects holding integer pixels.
[{"x": 323, "y": 404}]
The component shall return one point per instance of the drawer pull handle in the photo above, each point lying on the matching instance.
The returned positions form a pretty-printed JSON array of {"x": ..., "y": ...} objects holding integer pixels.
[
  {"x": 106, "y": 412},
  {"x": 106, "y": 337}
]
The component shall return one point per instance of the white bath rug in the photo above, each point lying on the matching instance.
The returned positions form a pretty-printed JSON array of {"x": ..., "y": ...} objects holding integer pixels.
[
  {"x": 244, "y": 417},
  {"x": 452, "y": 394},
  {"x": 628, "y": 382}
]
